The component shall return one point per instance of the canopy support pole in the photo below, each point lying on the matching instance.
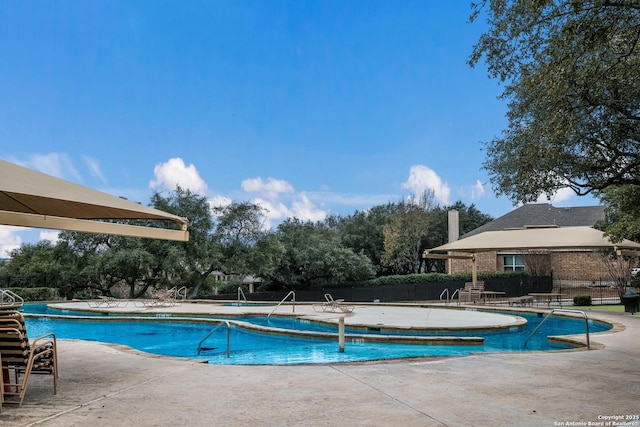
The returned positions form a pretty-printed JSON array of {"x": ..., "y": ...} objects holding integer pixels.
[{"x": 474, "y": 270}]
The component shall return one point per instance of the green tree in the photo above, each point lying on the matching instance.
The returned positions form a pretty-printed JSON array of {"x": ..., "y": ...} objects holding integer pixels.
[
  {"x": 571, "y": 74},
  {"x": 266, "y": 258},
  {"x": 405, "y": 234},
  {"x": 188, "y": 263},
  {"x": 246, "y": 247},
  {"x": 314, "y": 256},
  {"x": 130, "y": 265},
  {"x": 622, "y": 213},
  {"x": 108, "y": 262},
  {"x": 47, "y": 265},
  {"x": 363, "y": 232}
]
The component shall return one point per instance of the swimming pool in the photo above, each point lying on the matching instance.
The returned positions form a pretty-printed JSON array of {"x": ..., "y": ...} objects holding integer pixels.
[{"x": 179, "y": 337}]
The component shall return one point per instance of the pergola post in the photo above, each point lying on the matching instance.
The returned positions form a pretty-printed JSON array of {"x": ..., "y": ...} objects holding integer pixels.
[{"x": 474, "y": 270}]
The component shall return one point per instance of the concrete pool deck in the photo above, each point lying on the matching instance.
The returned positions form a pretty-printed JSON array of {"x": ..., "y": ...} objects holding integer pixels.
[
  {"x": 408, "y": 316},
  {"x": 104, "y": 385}
]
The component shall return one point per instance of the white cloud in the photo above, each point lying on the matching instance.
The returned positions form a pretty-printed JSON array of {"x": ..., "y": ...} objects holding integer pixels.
[
  {"x": 557, "y": 198},
  {"x": 56, "y": 164},
  {"x": 477, "y": 191},
  {"x": 358, "y": 201},
  {"x": 9, "y": 240},
  {"x": 306, "y": 210},
  {"x": 422, "y": 178},
  {"x": 50, "y": 235},
  {"x": 303, "y": 209},
  {"x": 94, "y": 167},
  {"x": 271, "y": 188},
  {"x": 174, "y": 173},
  {"x": 275, "y": 211},
  {"x": 219, "y": 201}
]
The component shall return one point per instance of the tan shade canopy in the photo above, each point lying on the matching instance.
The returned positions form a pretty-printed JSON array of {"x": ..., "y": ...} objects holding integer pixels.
[
  {"x": 33, "y": 199},
  {"x": 536, "y": 238}
]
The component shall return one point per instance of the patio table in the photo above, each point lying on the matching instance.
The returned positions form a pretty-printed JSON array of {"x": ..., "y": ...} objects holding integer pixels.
[
  {"x": 547, "y": 297},
  {"x": 491, "y": 296}
]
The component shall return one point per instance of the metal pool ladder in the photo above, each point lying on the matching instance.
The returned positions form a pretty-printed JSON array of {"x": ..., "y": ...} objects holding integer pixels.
[
  {"x": 564, "y": 310},
  {"x": 9, "y": 298},
  {"x": 241, "y": 293},
  {"x": 449, "y": 298},
  {"x": 293, "y": 299},
  {"x": 222, "y": 322}
]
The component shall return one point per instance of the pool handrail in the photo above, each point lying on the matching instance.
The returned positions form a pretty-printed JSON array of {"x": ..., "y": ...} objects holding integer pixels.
[
  {"x": 241, "y": 292},
  {"x": 564, "y": 310},
  {"x": 181, "y": 293},
  {"x": 449, "y": 298},
  {"x": 293, "y": 299},
  {"x": 222, "y": 322},
  {"x": 12, "y": 299}
]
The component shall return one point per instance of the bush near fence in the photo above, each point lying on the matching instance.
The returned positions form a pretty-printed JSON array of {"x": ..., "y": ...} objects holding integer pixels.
[{"x": 36, "y": 294}]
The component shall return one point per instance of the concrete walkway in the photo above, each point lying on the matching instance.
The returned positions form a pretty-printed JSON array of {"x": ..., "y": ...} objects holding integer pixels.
[{"x": 108, "y": 386}]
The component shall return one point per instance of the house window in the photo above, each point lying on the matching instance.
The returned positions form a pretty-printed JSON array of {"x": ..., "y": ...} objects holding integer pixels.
[{"x": 513, "y": 263}]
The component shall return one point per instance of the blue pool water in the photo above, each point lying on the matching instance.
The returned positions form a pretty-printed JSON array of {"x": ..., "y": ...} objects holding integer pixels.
[
  {"x": 502, "y": 340},
  {"x": 180, "y": 338}
]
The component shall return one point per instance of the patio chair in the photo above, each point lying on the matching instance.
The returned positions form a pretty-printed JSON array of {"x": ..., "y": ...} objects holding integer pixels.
[
  {"x": 1, "y": 386},
  {"x": 21, "y": 357},
  {"x": 166, "y": 298},
  {"x": 107, "y": 301},
  {"x": 325, "y": 306},
  {"x": 336, "y": 304},
  {"x": 521, "y": 301},
  {"x": 471, "y": 292}
]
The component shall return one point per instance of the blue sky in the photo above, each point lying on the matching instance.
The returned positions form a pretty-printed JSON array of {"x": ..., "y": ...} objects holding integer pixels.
[{"x": 309, "y": 108}]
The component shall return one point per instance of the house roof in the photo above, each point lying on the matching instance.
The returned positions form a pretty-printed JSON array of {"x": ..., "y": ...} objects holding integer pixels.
[
  {"x": 543, "y": 214},
  {"x": 33, "y": 199}
]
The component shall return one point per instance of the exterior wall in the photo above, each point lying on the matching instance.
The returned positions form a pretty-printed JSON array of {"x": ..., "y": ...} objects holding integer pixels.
[
  {"x": 569, "y": 265},
  {"x": 579, "y": 265},
  {"x": 487, "y": 261}
]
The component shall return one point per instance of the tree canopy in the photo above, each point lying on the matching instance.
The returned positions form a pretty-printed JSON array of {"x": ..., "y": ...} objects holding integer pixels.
[
  {"x": 623, "y": 212},
  {"x": 232, "y": 240},
  {"x": 571, "y": 75},
  {"x": 363, "y": 232},
  {"x": 314, "y": 256},
  {"x": 406, "y": 232}
]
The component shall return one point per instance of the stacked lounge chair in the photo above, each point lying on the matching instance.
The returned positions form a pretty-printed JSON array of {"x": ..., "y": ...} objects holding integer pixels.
[{"x": 22, "y": 357}]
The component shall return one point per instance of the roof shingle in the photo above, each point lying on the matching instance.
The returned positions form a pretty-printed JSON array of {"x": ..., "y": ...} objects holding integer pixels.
[{"x": 543, "y": 214}]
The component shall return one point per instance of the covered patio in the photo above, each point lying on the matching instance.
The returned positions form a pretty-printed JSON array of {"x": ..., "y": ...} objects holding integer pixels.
[{"x": 530, "y": 239}]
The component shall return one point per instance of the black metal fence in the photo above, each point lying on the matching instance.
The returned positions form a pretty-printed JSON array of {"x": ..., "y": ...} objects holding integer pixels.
[
  {"x": 23, "y": 282},
  {"x": 601, "y": 292},
  {"x": 428, "y": 291}
]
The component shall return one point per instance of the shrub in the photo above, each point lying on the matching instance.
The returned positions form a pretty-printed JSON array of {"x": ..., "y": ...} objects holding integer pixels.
[
  {"x": 230, "y": 288},
  {"x": 425, "y": 278},
  {"x": 582, "y": 300},
  {"x": 37, "y": 294}
]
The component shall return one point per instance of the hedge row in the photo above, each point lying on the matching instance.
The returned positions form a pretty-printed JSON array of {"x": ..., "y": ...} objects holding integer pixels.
[
  {"x": 428, "y": 278},
  {"x": 36, "y": 294}
]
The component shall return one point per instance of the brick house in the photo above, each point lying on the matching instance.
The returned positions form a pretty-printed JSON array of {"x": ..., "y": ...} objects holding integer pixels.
[{"x": 568, "y": 266}]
